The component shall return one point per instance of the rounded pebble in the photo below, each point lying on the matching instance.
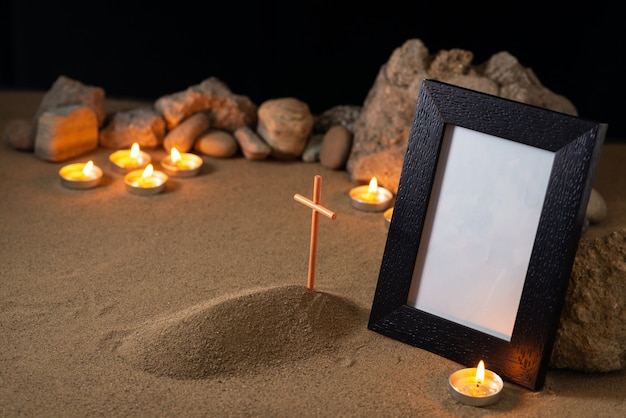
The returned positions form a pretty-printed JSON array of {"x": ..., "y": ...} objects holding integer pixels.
[
  {"x": 217, "y": 143},
  {"x": 184, "y": 135},
  {"x": 596, "y": 208},
  {"x": 336, "y": 147}
]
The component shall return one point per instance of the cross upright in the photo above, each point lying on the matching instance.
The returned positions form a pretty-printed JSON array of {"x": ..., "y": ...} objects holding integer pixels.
[{"x": 317, "y": 209}]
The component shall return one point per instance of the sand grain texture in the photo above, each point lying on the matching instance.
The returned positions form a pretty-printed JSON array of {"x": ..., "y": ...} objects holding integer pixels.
[{"x": 193, "y": 302}]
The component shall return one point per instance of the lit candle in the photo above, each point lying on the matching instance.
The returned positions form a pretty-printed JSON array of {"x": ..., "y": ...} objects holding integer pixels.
[
  {"x": 80, "y": 175},
  {"x": 145, "y": 182},
  {"x": 371, "y": 197},
  {"x": 126, "y": 160},
  {"x": 181, "y": 165},
  {"x": 476, "y": 386}
]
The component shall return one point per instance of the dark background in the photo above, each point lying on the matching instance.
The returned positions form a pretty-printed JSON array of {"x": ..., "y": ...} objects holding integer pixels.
[{"x": 324, "y": 53}]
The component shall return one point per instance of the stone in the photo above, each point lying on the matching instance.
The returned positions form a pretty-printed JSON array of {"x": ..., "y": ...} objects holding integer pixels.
[
  {"x": 382, "y": 129},
  {"x": 336, "y": 147},
  {"x": 66, "y": 92},
  {"x": 252, "y": 145},
  {"x": 217, "y": 143},
  {"x": 375, "y": 163},
  {"x": 592, "y": 332},
  {"x": 521, "y": 84},
  {"x": 311, "y": 153},
  {"x": 19, "y": 134},
  {"x": 285, "y": 125},
  {"x": 142, "y": 125},
  {"x": 596, "y": 208},
  {"x": 451, "y": 63},
  {"x": 66, "y": 132},
  {"x": 185, "y": 134},
  {"x": 344, "y": 115},
  {"x": 224, "y": 109}
]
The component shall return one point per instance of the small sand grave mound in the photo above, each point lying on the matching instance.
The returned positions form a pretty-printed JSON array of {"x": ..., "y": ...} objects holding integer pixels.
[{"x": 242, "y": 333}]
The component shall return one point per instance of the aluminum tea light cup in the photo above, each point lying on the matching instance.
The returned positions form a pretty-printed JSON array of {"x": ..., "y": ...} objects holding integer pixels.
[
  {"x": 371, "y": 198},
  {"x": 80, "y": 175},
  {"x": 387, "y": 215},
  {"x": 146, "y": 182},
  {"x": 468, "y": 386},
  {"x": 126, "y": 160},
  {"x": 179, "y": 164}
]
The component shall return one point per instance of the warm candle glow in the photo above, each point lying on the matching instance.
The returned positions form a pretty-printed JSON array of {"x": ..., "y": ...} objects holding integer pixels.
[
  {"x": 147, "y": 172},
  {"x": 146, "y": 182},
  {"x": 373, "y": 187},
  {"x": 371, "y": 197},
  {"x": 181, "y": 164},
  {"x": 134, "y": 150},
  {"x": 80, "y": 176},
  {"x": 87, "y": 168},
  {"x": 126, "y": 160},
  {"x": 476, "y": 386},
  {"x": 480, "y": 373},
  {"x": 175, "y": 155}
]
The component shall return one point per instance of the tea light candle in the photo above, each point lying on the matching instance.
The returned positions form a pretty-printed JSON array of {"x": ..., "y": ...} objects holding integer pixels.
[
  {"x": 476, "y": 386},
  {"x": 371, "y": 197},
  {"x": 129, "y": 159},
  {"x": 387, "y": 215},
  {"x": 181, "y": 165},
  {"x": 80, "y": 175},
  {"x": 145, "y": 182}
]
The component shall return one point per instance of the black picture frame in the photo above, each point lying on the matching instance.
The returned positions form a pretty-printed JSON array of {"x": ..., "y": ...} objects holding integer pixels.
[{"x": 575, "y": 146}]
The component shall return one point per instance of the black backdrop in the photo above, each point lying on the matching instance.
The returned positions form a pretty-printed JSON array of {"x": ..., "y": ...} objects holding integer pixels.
[{"x": 323, "y": 52}]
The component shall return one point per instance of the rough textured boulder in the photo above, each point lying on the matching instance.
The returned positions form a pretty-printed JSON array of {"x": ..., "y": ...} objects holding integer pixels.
[
  {"x": 67, "y": 92},
  {"x": 224, "y": 109},
  {"x": 592, "y": 332},
  {"x": 381, "y": 132},
  {"x": 343, "y": 115},
  {"x": 64, "y": 92},
  {"x": 142, "y": 125}
]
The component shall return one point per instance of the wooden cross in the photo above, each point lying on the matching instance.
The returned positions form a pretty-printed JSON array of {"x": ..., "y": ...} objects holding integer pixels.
[{"x": 317, "y": 209}]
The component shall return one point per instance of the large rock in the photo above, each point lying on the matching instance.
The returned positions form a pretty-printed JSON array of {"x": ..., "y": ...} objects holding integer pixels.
[
  {"x": 285, "y": 125},
  {"x": 141, "y": 125},
  {"x": 68, "y": 92},
  {"x": 592, "y": 333},
  {"x": 224, "y": 109},
  {"x": 382, "y": 130},
  {"x": 66, "y": 132},
  {"x": 63, "y": 93}
]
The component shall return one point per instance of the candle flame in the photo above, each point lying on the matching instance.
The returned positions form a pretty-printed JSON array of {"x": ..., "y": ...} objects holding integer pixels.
[
  {"x": 147, "y": 172},
  {"x": 88, "y": 167},
  {"x": 175, "y": 155},
  {"x": 134, "y": 150},
  {"x": 480, "y": 373},
  {"x": 373, "y": 187}
]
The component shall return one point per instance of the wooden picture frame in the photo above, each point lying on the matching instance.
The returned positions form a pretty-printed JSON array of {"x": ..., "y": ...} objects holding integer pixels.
[{"x": 490, "y": 207}]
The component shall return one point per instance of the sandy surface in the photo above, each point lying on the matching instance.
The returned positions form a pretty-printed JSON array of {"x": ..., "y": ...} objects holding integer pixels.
[{"x": 193, "y": 302}]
